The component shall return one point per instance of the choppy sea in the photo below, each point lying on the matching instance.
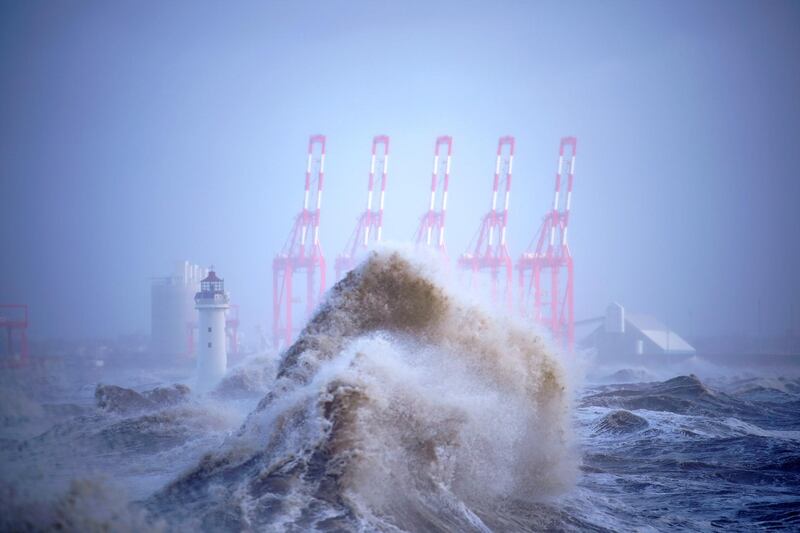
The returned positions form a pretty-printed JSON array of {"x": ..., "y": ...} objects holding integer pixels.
[{"x": 401, "y": 408}]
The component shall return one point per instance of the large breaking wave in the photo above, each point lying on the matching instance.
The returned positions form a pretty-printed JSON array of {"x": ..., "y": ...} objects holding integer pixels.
[{"x": 399, "y": 407}]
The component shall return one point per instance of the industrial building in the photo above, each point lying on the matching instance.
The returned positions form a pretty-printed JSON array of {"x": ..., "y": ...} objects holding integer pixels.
[
  {"x": 624, "y": 335},
  {"x": 172, "y": 309}
]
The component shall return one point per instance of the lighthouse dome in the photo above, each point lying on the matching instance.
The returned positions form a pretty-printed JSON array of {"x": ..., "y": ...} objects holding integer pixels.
[
  {"x": 212, "y": 290},
  {"x": 212, "y": 284}
]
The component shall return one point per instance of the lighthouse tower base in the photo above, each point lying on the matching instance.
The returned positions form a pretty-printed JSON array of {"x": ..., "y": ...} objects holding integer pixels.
[{"x": 212, "y": 358}]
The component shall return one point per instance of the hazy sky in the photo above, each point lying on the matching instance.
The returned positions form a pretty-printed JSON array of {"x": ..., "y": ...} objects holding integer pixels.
[{"x": 136, "y": 134}]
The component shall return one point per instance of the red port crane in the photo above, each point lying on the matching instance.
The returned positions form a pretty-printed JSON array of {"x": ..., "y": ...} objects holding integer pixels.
[
  {"x": 232, "y": 328},
  {"x": 14, "y": 318},
  {"x": 489, "y": 251},
  {"x": 370, "y": 223},
  {"x": 431, "y": 226},
  {"x": 553, "y": 308},
  {"x": 301, "y": 252}
]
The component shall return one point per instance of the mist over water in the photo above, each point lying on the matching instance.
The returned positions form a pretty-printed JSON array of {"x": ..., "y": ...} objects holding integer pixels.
[{"x": 403, "y": 406}]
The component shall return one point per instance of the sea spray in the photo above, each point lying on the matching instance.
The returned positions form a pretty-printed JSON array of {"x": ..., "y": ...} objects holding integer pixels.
[{"x": 399, "y": 407}]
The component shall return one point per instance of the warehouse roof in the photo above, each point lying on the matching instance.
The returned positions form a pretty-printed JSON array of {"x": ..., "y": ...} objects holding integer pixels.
[{"x": 658, "y": 333}]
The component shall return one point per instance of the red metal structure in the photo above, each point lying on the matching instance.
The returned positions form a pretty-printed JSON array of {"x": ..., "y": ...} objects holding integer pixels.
[
  {"x": 370, "y": 223},
  {"x": 485, "y": 252},
  {"x": 14, "y": 318},
  {"x": 232, "y": 328},
  {"x": 553, "y": 308},
  {"x": 432, "y": 223},
  {"x": 300, "y": 253}
]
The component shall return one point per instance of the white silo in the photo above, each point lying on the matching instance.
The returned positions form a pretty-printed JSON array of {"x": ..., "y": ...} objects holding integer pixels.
[
  {"x": 173, "y": 317},
  {"x": 212, "y": 359}
]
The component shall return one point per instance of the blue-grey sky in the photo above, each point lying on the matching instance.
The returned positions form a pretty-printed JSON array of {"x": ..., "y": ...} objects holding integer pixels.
[{"x": 136, "y": 134}]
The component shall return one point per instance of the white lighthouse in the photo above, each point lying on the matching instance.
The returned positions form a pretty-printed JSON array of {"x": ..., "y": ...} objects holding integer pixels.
[{"x": 212, "y": 358}]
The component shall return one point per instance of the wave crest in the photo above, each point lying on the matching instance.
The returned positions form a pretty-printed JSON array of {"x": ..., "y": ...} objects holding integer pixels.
[{"x": 398, "y": 407}]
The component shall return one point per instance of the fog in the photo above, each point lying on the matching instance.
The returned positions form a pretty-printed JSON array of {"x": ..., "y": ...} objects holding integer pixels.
[{"x": 136, "y": 135}]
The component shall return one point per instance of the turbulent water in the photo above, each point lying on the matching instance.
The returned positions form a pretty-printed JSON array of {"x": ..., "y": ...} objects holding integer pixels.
[
  {"x": 404, "y": 408},
  {"x": 680, "y": 454},
  {"x": 397, "y": 408}
]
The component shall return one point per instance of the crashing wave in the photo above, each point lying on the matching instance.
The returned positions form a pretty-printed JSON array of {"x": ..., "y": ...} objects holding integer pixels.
[
  {"x": 117, "y": 399},
  {"x": 397, "y": 408},
  {"x": 252, "y": 378}
]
